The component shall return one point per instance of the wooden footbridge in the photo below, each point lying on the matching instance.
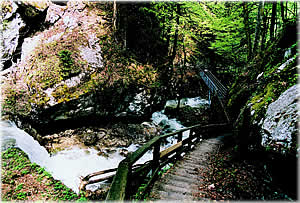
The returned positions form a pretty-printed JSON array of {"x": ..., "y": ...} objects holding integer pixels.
[{"x": 129, "y": 176}]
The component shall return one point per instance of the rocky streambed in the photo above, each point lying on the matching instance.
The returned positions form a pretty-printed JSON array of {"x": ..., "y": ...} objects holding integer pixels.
[{"x": 73, "y": 153}]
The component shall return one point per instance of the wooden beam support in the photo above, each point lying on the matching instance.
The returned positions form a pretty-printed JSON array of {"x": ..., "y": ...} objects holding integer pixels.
[
  {"x": 170, "y": 149},
  {"x": 156, "y": 157}
]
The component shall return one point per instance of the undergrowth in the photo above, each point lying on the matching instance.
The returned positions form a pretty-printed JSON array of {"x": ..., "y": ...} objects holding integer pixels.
[{"x": 23, "y": 180}]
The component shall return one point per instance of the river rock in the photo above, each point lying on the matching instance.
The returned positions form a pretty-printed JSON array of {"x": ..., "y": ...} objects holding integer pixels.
[
  {"x": 190, "y": 112},
  {"x": 139, "y": 103},
  {"x": 89, "y": 138},
  {"x": 279, "y": 129}
]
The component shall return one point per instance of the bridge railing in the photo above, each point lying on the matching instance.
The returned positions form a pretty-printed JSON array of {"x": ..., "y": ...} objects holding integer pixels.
[
  {"x": 122, "y": 185},
  {"x": 213, "y": 83},
  {"x": 216, "y": 87}
]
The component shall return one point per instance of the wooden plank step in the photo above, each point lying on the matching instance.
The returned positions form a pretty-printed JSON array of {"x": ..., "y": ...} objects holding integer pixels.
[
  {"x": 174, "y": 196},
  {"x": 192, "y": 163},
  {"x": 184, "y": 173},
  {"x": 189, "y": 168},
  {"x": 176, "y": 189},
  {"x": 182, "y": 184},
  {"x": 182, "y": 181},
  {"x": 200, "y": 161},
  {"x": 180, "y": 178}
]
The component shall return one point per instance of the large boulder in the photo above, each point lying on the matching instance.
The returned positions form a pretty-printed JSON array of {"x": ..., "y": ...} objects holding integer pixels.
[
  {"x": 279, "y": 129},
  {"x": 191, "y": 110},
  {"x": 73, "y": 69}
]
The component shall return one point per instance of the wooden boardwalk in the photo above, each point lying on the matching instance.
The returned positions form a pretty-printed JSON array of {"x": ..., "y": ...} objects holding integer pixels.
[{"x": 182, "y": 181}]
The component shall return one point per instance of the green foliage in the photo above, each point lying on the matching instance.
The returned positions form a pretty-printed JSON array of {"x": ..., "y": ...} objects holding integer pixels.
[
  {"x": 227, "y": 25},
  {"x": 15, "y": 101},
  {"x": 4, "y": 24},
  {"x": 33, "y": 165},
  {"x": 82, "y": 197},
  {"x": 21, "y": 195},
  {"x": 68, "y": 68},
  {"x": 19, "y": 187},
  {"x": 14, "y": 174},
  {"x": 165, "y": 169},
  {"x": 40, "y": 170},
  {"x": 193, "y": 22},
  {"x": 65, "y": 57},
  {"x": 25, "y": 172},
  {"x": 140, "y": 194}
]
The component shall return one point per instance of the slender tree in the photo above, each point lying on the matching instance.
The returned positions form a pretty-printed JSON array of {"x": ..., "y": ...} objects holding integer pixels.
[
  {"x": 273, "y": 18},
  {"x": 176, "y": 33},
  {"x": 260, "y": 13},
  {"x": 282, "y": 11},
  {"x": 115, "y": 15},
  {"x": 265, "y": 26},
  {"x": 247, "y": 30}
]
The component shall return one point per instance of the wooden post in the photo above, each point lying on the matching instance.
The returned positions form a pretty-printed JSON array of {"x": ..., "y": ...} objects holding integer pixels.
[
  {"x": 193, "y": 135},
  {"x": 196, "y": 136},
  {"x": 190, "y": 139},
  {"x": 118, "y": 190},
  {"x": 156, "y": 155},
  {"x": 179, "y": 139}
]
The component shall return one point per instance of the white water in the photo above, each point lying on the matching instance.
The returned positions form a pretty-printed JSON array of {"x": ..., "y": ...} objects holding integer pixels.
[
  {"x": 195, "y": 102},
  {"x": 68, "y": 165},
  {"x": 171, "y": 125}
]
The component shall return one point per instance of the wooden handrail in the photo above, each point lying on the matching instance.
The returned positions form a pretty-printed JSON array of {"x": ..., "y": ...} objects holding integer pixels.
[
  {"x": 121, "y": 183},
  {"x": 142, "y": 150}
]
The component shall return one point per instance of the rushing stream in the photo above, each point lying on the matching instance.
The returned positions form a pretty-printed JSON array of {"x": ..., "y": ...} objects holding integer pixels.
[{"x": 68, "y": 165}]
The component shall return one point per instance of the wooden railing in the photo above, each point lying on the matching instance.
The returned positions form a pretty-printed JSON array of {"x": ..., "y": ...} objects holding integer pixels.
[{"x": 124, "y": 182}]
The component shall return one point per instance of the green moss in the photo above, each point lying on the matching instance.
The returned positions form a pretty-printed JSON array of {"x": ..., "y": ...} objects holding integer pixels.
[
  {"x": 262, "y": 100},
  {"x": 16, "y": 101},
  {"x": 14, "y": 172},
  {"x": 67, "y": 63}
]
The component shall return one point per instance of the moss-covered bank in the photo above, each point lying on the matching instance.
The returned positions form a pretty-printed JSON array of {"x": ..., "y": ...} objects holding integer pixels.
[{"x": 23, "y": 180}]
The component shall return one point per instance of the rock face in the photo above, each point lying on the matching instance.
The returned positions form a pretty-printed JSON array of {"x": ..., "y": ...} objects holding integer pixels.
[
  {"x": 279, "y": 129},
  {"x": 71, "y": 68},
  {"x": 12, "y": 26},
  {"x": 17, "y": 16}
]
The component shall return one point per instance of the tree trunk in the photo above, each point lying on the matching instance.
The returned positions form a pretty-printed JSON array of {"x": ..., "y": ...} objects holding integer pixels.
[
  {"x": 282, "y": 12},
  {"x": 176, "y": 35},
  {"x": 265, "y": 30},
  {"x": 180, "y": 85},
  {"x": 115, "y": 16},
  {"x": 274, "y": 8},
  {"x": 168, "y": 33},
  {"x": 258, "y": 27},
  {"x": 247, "y": 30}
]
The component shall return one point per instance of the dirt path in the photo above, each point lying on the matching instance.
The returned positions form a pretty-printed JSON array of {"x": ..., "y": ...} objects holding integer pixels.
[{"x": 182, "y": 181}]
